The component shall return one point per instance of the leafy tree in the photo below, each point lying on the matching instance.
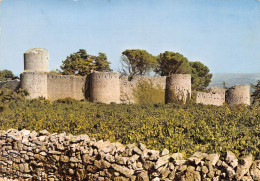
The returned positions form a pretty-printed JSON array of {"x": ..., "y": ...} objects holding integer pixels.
[
  {"x": 102, "y": 64},
  {"x": 6, "y": 75},
  {"x": 137, "y": 62},
  {"x": 256, "y": 93},
  {"x": 172, "y": 63},
  {"x": 81, "y": 63},
  {"x": 175, "y": 63},
  {"x": 200, "y": 77}
]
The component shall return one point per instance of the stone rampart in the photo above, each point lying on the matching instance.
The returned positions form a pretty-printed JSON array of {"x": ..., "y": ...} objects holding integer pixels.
[
  {"x": 209, "y": 98},
  {"x": 63, "y": 86},
  {"x": 128, "y": 85},
  {"x": 107, "y": 87},
  {"x": 219, "y": 90},
  {"x": 26, "y": 155},
  {"x": 215, "y": 96}
]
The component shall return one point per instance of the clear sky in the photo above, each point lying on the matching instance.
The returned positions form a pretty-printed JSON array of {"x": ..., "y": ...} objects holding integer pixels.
[{"x": 223, "y": 34}]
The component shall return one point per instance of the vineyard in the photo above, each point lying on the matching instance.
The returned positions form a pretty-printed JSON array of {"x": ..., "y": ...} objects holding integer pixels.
[{"x": 179, "y": 128}]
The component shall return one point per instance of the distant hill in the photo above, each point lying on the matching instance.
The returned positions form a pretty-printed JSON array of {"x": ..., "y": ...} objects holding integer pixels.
[{"x": 234, "y": 78}]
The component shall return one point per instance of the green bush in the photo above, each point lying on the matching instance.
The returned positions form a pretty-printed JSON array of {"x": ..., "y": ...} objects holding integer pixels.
[
  {"x": 148, "y": 93},
  {"x": 180, "y": 128}
]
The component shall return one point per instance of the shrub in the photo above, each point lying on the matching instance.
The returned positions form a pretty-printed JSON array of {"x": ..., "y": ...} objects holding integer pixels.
[{"x": 148, "y": 93}]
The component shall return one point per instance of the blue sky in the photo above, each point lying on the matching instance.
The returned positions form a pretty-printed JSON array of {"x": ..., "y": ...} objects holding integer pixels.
[{"x": 223, "y": 34}]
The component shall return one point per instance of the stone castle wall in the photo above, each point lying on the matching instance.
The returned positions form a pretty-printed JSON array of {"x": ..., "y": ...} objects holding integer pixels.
[
  {"x": 104, "y": 87},
  {"x": 63, "y": 86},
  {"x": 128, "y": 85},
  {"x": 26, "y": 155},
  {"x": 209, "y": 98},
  {"x": 215, "y": 96},
  {"x": 107, "y": 87}
]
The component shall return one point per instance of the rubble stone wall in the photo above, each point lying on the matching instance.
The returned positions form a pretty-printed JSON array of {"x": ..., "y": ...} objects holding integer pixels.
[{"x": 26, "y": 155}]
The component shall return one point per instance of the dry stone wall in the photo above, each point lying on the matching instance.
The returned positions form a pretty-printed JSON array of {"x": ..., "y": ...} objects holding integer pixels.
[
  {"x": 128, "y": 85},
  {"x": 63, "y": 86},
  {"x": 26, "y": 155}
]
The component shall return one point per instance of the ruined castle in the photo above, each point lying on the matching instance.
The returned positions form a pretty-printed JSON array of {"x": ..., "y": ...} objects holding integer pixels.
[{"x": 107, "y": 87}]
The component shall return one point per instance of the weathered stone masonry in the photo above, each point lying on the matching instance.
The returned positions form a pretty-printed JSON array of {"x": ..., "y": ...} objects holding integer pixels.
[
  {"x": 108, "y": 87},
  {"x": 26, "y": 155},
  {"x": 103, "y": 87}
]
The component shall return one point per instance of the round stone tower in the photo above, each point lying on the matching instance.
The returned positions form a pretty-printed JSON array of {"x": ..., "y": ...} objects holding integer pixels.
[
  {"x": 36, "y": 60},
  {"x": 178, "y": 86},
  {"x": 238, "y": 94},
  {"x": 104, "y": 87},
  {"x": 35, "y": 83},
  {"x": 34, "y": 77}
]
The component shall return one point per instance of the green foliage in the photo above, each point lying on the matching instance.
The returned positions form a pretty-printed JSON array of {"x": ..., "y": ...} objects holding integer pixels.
[
  {"x": 7, "y": 95},
  {"x": 101, "y": 63},
  {"x": 179, "y": 128},
  {"x": 6, "y": 75},
  {"x": 172, "y": 63},
  {"x": 256, "y": 93},
  {"x": 81, "y": 63},
  {"x": 137, "y": 62},
  {"x": 67, "y": 100},
  {"x": 200, "y": 77},
  {"x": 148, "y": 93},
  {"x": 175, "y": 63}
]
